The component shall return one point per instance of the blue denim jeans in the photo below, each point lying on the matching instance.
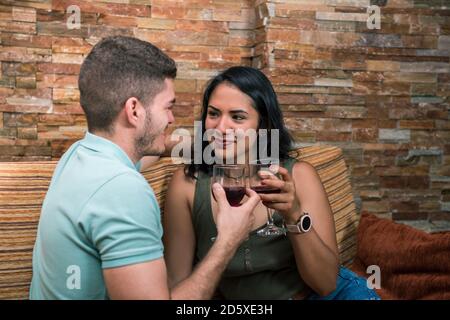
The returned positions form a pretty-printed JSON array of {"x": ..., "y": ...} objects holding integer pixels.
[{"x": 349, "y": 286}]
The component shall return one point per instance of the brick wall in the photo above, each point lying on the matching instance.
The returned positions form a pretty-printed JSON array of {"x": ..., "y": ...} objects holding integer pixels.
[{"x": 381, "y": 95}]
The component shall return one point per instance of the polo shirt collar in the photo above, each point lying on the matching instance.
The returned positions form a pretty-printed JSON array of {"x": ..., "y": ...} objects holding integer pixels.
[{"x": 109, "y": 148}]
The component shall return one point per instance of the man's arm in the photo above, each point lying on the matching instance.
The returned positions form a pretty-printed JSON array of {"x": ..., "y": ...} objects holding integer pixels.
[
  {"x": 142, "y": 281},
  {"x": 202, "y": 283},
  {"x": 149, "y": 280}
]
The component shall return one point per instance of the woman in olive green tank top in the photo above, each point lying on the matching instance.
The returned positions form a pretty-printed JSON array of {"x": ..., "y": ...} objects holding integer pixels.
[{"x": 304, "y": 262}]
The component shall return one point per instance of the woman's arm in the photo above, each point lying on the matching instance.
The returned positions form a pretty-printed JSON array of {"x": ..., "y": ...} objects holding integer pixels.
[
  {"x": 316, "y": 251},
  {"x": 179, "y": 237}
]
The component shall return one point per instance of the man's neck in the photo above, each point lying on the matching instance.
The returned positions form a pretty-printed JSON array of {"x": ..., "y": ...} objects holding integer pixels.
[{"x": 122, "y": 141}]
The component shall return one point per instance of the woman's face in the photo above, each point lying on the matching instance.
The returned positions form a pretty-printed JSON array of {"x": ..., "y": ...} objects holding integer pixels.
[{"x": 230, "y": 112}]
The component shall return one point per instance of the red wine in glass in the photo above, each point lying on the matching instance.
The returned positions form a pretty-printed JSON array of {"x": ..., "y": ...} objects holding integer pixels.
[
  {"x": 233, "y": 180},
  {"x": 265, "y": 189},
  {"x": 234, "y": 195}
]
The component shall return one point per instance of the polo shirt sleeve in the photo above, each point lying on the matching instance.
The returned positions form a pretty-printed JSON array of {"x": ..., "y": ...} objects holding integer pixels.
[{"x": 122, "y": 220}]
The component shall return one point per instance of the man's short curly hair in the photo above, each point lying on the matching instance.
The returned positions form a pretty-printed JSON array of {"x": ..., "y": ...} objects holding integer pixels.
[{"x": 116, "y": 69}]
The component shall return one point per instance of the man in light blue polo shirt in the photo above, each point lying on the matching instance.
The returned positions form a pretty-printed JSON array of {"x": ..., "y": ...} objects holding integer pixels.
[
  {"x": 99, "y": 233},
  {"x": 94, "y": 186}
]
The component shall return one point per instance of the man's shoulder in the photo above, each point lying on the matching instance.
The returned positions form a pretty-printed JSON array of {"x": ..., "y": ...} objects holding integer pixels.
[
  {"x": 85, "y": 176},
  {"x": 124, "y": 194},
  {"x": 128, "y": 180},
  {"x": 101, "y": 167}
]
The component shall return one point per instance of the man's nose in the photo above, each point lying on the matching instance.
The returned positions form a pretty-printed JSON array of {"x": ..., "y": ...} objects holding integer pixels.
[{"x": 171, "y": 117}]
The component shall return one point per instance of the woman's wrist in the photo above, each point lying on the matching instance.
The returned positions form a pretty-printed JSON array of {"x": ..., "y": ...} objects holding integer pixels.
[{"x": 292, "y": 218}]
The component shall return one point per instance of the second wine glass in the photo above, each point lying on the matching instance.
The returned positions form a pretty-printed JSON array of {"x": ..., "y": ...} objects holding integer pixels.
[{"x": 255, "y": 180}]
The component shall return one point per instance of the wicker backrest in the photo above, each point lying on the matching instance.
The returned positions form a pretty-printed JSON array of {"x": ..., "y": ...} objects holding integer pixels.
[{"x": 23, "y": 186}]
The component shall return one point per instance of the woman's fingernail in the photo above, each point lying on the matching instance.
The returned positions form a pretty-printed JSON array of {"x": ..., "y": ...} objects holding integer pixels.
[{"x": 274, "y": 168}]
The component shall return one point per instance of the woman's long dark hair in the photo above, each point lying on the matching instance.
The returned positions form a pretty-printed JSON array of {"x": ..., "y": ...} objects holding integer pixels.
[{"x": 257, "y": 86}]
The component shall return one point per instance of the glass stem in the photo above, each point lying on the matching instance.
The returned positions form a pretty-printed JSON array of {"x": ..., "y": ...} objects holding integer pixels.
[{"x": 269, "y": 217}]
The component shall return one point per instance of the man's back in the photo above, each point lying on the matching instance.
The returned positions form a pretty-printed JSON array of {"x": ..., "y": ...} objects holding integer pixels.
[{"x": 99, "y": 212}]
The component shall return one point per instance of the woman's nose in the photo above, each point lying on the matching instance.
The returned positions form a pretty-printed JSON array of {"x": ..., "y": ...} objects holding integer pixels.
[{"x": 222, "y": 125}]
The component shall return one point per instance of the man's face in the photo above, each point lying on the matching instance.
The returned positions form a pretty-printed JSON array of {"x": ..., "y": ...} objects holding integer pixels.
[{"x": 151, "y": 136}]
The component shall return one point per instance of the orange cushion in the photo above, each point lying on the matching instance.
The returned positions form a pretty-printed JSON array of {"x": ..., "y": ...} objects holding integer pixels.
[{"x": 413, "y": 264}]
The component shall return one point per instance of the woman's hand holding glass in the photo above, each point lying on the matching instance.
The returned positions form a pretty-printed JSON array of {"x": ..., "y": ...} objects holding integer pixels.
[
  {"x": 258, "y": 173},
  {"x": 286, "y": 201}
]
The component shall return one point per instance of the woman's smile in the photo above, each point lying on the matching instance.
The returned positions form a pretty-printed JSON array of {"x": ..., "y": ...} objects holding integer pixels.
[{"x": 222, "y": 142}]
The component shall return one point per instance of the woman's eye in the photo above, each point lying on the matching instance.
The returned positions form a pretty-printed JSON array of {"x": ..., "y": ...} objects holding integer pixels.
[
  {"x": 212, "y": 114},
  {"x": 238, "y": 117}
]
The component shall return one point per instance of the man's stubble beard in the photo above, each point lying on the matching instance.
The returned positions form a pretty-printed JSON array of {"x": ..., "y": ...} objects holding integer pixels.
[{"x": 144, "y": 144}]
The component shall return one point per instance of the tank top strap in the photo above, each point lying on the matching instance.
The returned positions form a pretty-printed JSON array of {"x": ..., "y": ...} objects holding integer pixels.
[{"x": 202, "y": 188}]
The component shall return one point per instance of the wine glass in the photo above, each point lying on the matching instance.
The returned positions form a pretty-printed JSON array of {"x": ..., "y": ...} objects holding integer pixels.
[
  {"x": 232, "y": 178},
  {"x": 255, "y": 180}
]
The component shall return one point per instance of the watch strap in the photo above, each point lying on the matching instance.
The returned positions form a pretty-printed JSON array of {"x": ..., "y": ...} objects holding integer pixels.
[{"x": 298, "y": 226}]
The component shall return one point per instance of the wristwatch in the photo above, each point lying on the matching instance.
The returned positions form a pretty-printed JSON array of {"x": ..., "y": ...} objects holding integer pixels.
[{"x": 302, "y": 225}]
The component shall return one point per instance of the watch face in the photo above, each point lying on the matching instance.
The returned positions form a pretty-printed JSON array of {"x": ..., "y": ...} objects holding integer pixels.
[{"x": 306, "y": 223}]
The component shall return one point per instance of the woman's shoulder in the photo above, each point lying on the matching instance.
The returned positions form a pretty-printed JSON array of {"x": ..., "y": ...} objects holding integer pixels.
[
  {"x": 181, "y": 180},
  {"x": 291, "y": 163},
  {"x": 304, "y": 170},
  {"x": 182, "y": 186},
  {"x": 303, "y": 164}
]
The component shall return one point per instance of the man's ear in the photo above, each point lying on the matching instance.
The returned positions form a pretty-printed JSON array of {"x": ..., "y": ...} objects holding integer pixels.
[{"x": 132, "y": 110}]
